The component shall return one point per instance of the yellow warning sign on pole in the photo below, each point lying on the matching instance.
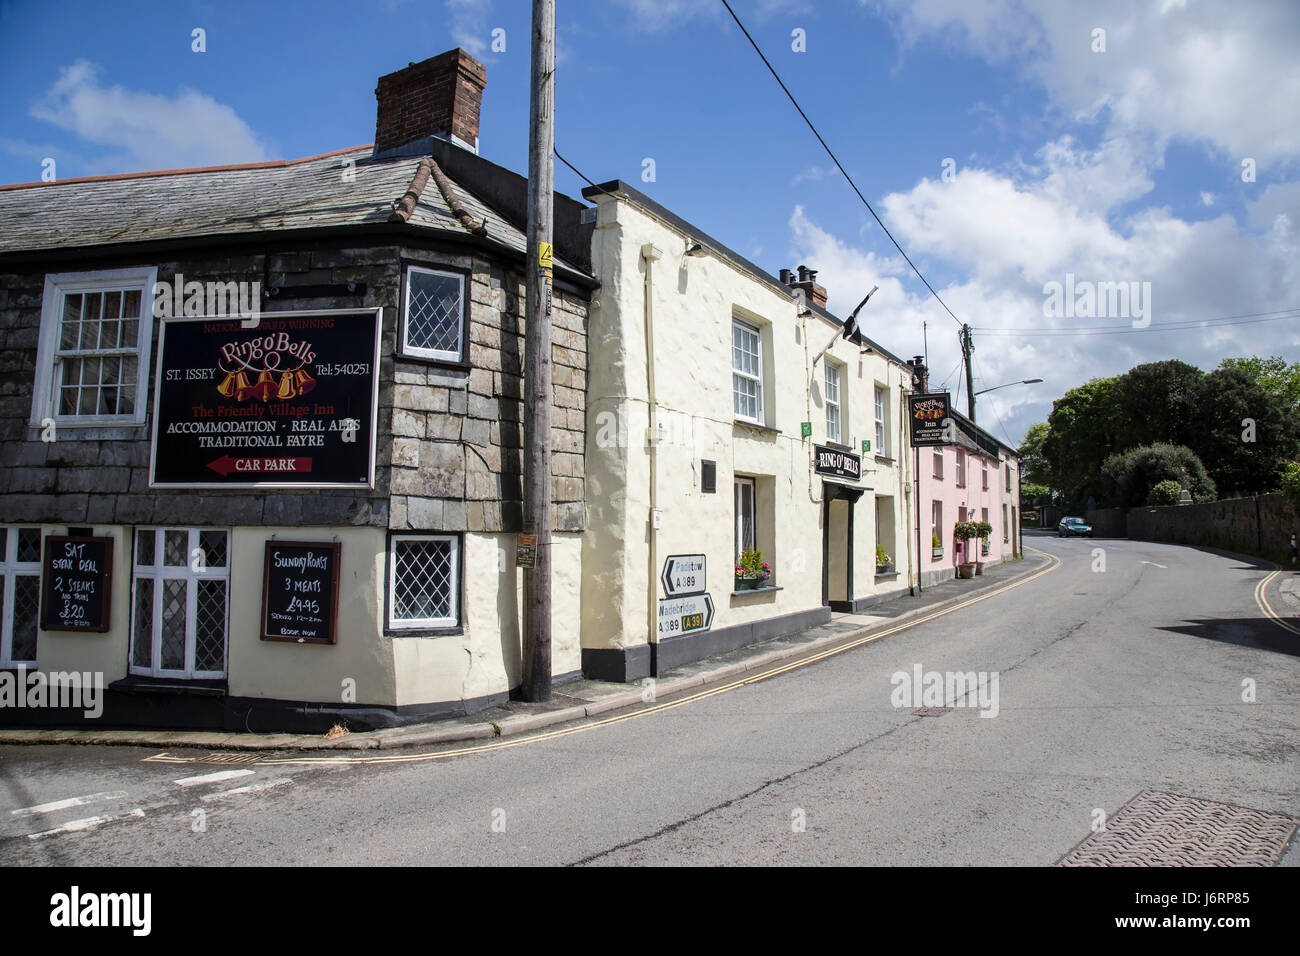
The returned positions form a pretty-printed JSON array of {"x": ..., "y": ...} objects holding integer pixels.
[{"x": 544, "y": 255}]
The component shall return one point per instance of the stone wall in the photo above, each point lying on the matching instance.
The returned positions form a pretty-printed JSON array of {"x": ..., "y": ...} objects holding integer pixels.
[
  {"x": 1261, "y": 525},
  {"x": 444, "y": 434}
]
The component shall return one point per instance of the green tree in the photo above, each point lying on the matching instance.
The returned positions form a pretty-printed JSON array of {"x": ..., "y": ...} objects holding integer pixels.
[
  {"x": 1033, "y": 495},
  {"x": 1243, "y": 433},
  {"x": 1291, "y": 483},
  {"x": 1157, "y": 403},
  {"x": 1273, "y": 374},
  {"x": 1128, "y": 476},
  {"x": 1034, "y": 467},
  {"x": 1081, "y": 432}
]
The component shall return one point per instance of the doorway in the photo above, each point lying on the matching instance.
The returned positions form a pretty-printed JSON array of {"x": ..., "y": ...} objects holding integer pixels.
[{"x": 838, "y": 503}]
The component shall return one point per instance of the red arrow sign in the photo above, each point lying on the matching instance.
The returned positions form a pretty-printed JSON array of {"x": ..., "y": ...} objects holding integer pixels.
[{"x": 224, "y": 465}]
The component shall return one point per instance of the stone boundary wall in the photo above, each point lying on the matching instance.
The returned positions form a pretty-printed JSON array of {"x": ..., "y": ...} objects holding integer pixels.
[{"x": 1261, "y": 525}]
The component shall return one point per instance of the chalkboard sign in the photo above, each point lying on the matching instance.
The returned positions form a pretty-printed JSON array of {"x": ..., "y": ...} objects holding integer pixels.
[
  {"x": 300, "y": 592},
  {"x": 77, "y": 581}
]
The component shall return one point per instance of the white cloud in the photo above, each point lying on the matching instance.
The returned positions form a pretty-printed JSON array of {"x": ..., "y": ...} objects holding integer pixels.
[
  {"x": 656, "y": 16},
  {"x": 1008, "y": 238},
  {"x": 1207, "y": 199},
  {"x": 1223, "y": 74},
  {"x": 469, "y": 27},
  {"x": 147, "y": 131}
]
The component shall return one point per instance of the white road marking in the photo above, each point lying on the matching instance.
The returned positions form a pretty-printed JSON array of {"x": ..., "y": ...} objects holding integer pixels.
[
  {"x": 1157, "y": 565},
  {"x": 89, "y": 823},
  {"x": 212, "y": 777},
  {"x": 70, "y": 802},
  {"x": 251, "y": 788}
]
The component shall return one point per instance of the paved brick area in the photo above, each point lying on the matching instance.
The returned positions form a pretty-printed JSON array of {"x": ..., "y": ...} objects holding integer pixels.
[{"x": 1167, "y": 829}]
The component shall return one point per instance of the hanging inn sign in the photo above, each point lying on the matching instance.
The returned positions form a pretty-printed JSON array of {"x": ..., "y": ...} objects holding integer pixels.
[
  {"x": 926, "y": 417},
  {"x": 286, "y": 402}
]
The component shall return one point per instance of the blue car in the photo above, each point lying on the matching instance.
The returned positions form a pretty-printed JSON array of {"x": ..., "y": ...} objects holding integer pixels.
[{"x": 1073, "y": 527}]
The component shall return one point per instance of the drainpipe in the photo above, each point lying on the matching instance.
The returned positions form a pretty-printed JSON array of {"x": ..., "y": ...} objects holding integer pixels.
[{"x": 650, "y": 254}]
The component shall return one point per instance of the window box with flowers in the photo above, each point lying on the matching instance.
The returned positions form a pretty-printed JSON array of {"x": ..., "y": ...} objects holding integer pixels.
[
  {"x": 751, "y": 570},
  {"x": 884, "y": 563}
]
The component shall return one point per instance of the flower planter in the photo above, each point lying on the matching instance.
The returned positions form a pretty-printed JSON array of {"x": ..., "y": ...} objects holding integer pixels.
[
  {"x": 966, "y": 569},
  {"x": 936, "y": 554},
  {"x": 748, "y": 584},
  {"x": 884, "y": 568},
  {"x": 979, "y": 567}
]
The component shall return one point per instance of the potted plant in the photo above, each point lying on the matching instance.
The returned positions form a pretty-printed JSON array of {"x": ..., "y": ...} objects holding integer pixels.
[
  {"x": 751, "y": 570},
  {"x": 985, "y": 529},
  {"x": 965, "y": 531},
  {"x": 884, "y": 563},
  {"x": 936, "y": 547}
]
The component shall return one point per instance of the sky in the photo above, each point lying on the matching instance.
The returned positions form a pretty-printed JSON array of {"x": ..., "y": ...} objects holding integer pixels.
[{"x": 1025, "y": 153}]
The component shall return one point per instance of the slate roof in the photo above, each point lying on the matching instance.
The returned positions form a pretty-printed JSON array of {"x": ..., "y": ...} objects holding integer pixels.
[{"x": 234, "y": 200}]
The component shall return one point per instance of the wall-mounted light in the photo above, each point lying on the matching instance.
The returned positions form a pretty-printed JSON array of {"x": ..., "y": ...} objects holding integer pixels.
[{"x": 695, "y": 250}]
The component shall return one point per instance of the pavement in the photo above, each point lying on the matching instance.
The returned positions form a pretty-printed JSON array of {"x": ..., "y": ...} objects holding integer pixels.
[{"x": 583, "y": 699}]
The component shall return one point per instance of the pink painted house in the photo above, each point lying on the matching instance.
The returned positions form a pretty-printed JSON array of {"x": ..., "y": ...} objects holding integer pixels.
[{"x": 975, "y": 479}]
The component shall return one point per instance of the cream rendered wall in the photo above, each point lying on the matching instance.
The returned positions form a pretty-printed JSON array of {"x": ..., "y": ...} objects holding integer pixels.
[
  {"x": 104, "y": 653},
  {"x": 694, "y": 301},
  {"x": 313, "y": 672}
]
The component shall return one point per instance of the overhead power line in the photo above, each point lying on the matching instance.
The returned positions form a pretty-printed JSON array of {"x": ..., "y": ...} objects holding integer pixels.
[
  {"x": 838, "y": 165},
  {"x": 1183, "y": 325}
]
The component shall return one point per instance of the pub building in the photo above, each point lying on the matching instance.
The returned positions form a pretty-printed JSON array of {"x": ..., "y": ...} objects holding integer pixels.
[{"x": 261, "y": 428}]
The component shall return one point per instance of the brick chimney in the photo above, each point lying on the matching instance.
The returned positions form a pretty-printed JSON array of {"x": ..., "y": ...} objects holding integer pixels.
[
  {"x": 807, "y": 280},
  {"x": 438, "y": 97}
]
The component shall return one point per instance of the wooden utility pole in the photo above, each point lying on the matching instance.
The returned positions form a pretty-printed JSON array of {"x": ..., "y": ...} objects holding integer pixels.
[
  {"x": 536, "y": 685},
  {"x": 966, "y": 348}
]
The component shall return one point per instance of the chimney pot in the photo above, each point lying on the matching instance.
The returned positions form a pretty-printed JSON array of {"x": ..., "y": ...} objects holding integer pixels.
[{"x": 440, "y": 96}]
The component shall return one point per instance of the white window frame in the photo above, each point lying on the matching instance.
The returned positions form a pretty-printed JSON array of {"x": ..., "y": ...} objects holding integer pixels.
[
  {"x": 833, "y": 404},
  {"x": 882, "y": 413},
  {"x": 985, "y": 465},
  {"x": 1006, "y": 528},
  {"x": 442, "y": 355},
  {"x": 58, "y": 286},
  {"x": 736, "y": 373},
  {"x": 938, "y": 464},
  {"x": 959, "y": 471},
  {"x": 12, "y": 569},
  {"x": 936, "y": 521},
  {"x": 401, "y": 625},
  {"x": 740, "y": 541},
  {"x": 160, "y": 572}
]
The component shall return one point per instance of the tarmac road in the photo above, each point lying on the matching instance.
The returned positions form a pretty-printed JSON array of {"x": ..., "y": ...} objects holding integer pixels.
[{"x": 1108, "y": 683}]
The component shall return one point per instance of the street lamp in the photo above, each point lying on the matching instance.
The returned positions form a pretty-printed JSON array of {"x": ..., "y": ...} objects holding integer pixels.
[{"x": 1026, "y": 381}]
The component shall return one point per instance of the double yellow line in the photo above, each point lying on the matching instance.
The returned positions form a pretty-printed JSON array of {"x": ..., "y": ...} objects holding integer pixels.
[
  {"x": 1261, "y": 598},
  {"x": 1053, "y": 563}
]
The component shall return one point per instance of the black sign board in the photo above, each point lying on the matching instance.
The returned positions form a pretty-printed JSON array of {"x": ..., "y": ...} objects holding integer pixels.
[
  {"x": 927, "y": 413},
  {"x": 838, "y": 464},
  {"x": 300, "y": 592},
  {"x": 76, "y": 583},
  {"x": 289, "y": 402}
]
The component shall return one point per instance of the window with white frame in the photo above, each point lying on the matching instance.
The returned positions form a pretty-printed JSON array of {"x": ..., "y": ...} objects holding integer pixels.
[
  {"x": 433, "y": 319},
  {"x": 747, "y": 372},
  {"x": 985, "y": 466},
  {"x": 1008, "y": 476},
  {"x": 423, "y": 582},
  {"x": 961, "y": 469},
  {"x": 881, "y": 420},
  {"x": 936, "y": 523},
  {"x": 20, "y": 594},
  {"x": 1006, "y": 528},
  {"x": 180, "y": 603},
  {"x": 938, "y": 462},
  {"x": 746, "y": 516},
  {"x": 833, "y": 403},
  {"x": 92, "y": 363}
]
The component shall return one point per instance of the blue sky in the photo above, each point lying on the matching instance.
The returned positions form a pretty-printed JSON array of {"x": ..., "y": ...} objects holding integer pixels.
[{"x": 1122, "y": 164}]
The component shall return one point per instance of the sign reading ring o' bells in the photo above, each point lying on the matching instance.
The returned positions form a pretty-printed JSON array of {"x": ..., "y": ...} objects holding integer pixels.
[{"x": 837, "y": 464}]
